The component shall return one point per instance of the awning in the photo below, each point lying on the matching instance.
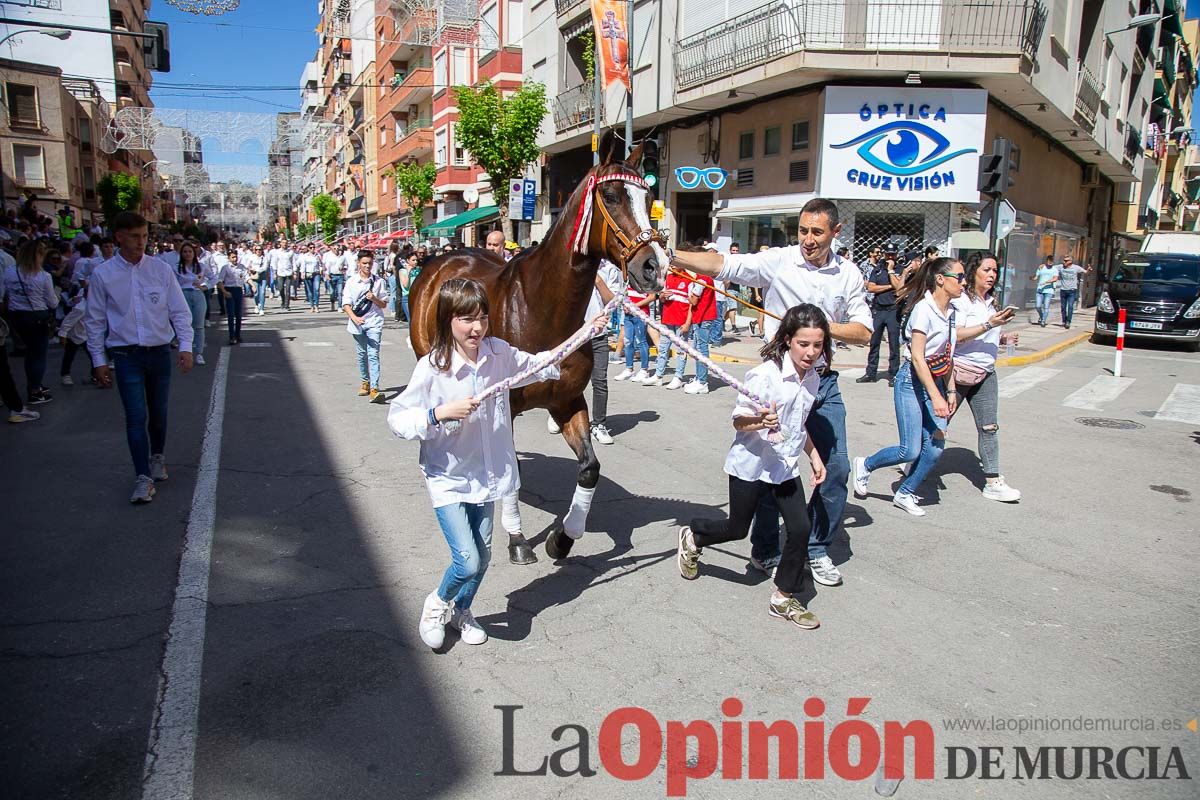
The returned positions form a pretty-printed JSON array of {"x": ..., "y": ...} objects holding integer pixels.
[
  {"x": 355, "y": 204},
  {"x": 450, "y": 225},
  {"x": 762, "y": 206},
  {"x": 1171, "y": 22}
]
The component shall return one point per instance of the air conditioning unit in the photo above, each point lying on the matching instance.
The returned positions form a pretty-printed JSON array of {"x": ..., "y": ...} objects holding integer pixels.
[{"x": 1091, "y": 176}]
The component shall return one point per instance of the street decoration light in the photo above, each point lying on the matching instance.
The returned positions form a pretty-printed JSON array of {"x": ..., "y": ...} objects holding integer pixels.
[{"x": 209, "y": 8}]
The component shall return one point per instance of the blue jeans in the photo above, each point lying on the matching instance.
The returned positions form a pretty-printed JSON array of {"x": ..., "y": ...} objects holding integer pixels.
[
  {"x": 1042, "y": 303},
  {"x": 664, "y": 354},
  {"x": 827, "y": 428},
  {"x": 922, "y": 433},
  {"x": 143, "y": 377},
  {"x": 468, "y": 531},
  {"x": 366, "y": 345},
  {"x": 312, "y": 288},
  {"x": 233, "y": 311},
  {"x": 198, "y": 303},
  {"x": 1067, "y": 297},
  {"x": 335, "y": 291},
  {"x": 404, "y": 307},
  {"x": 635, "y": 339},
  {"x": 260, "y": 295},
  {"x": 391, "y": 303},
  {"x": 704, "y": 334}
]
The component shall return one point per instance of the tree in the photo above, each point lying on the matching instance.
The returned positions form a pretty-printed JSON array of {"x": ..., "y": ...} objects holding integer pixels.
[
  {"x": 119, "y": 191},
  {"x": 415, "y": 183},
  {"x": 305, "y": 229},
  {"x": 501, "y": 134},
  {"x": 329, "y": 212}
]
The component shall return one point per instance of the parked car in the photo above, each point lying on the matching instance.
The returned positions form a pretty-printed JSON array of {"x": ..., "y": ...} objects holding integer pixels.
[
  {"x": 1185, "y": 242},
  {"x": 1160, "y": 293}
]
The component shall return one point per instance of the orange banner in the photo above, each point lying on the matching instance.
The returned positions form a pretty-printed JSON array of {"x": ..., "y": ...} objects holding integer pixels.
[{"x": 612, "y": 37}]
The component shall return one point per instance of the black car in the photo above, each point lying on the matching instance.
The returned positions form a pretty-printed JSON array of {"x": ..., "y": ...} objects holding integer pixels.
[{"x": 1160, "y": 293}]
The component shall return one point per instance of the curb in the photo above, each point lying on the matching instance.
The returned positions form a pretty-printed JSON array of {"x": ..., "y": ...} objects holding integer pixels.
[{"x": 1042, "y": 355}]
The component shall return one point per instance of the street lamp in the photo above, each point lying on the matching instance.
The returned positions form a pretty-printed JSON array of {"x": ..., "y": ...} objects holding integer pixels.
[
  {"x": 1140, "y": 21},
  {"x": 62, "y": 34},
  {"x": 149, "y": 164}
]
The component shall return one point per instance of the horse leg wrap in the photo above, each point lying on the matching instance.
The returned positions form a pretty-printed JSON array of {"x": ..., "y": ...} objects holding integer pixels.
[
  {"x": 510, "y": 513},
  {"x": 576, "y": 518}
]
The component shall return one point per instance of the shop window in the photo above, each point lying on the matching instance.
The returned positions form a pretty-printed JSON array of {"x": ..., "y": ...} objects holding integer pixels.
[
  {"x": 746, "y": 145},
  {"x": 771, "y": 141},
  {"x": 798, "y": 171},
  {"x": 745, "y": 177},
  {"x": 800, "y": 135}
]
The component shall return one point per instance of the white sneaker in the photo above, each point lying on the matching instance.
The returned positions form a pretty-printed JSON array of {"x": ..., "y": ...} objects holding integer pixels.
[
  {"x": 861, "y": 475},
  {"x": 1000, "y": 491},
  {"x": 653, "y": 380},
  {"x": 434, "y": 617},
  {"x": 600, "y": 433},
  {"x": 200, "y": 360},
  {"x": 696, "y": 387},
  {"x": 27, "y": 415},
  {"x": 640, "y": 376},
  {"x": 158, "y": 467},
  {"x": 468, "y": 629},
  {"x": 625, "y": 375},
  {"x": 552, "y": 426},
  {"x": 67, "y": 380},
  {"x": 824, "y": 572},
  {"x": 675, "y": 383},
  {"x": 767, "y": 565},
  {"x": 143, "y": 490},
  {"x": 909, "y": 502}
]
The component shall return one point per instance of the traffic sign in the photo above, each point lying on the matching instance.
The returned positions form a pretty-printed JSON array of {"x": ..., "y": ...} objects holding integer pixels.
[{"x": 1007, "y": 219}]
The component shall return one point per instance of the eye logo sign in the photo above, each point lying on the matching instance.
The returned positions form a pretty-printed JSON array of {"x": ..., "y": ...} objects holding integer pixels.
[{"x": 902, "y": 152}]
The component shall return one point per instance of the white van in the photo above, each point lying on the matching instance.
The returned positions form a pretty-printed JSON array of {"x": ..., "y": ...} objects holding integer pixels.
[{"x": 1178, "y": 242}]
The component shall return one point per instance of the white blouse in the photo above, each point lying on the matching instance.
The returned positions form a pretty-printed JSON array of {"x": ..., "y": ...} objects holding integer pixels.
[{"x": 753, "y": 456}]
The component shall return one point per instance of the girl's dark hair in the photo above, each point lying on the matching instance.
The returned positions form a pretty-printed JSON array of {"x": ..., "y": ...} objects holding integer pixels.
[
  {"x": 457, "y": 297},
  {"x": 971, "y": 265},
  {"x": 195, "y": 263},
  {"x": 805, "y": 315},
  {"x": 922, "y": 281}
]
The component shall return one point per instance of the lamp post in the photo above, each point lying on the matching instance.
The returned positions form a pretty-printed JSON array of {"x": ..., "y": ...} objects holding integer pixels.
[
  {"x": 1140, "y": 21},
  {"x": 62, "y": 34}
]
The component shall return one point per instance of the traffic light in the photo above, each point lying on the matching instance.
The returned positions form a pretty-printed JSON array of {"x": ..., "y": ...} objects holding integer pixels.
[
  {"x": 157, "y": 51},
  {"x": 650, "y": 165},
  {"x": 997, "y": 167}
]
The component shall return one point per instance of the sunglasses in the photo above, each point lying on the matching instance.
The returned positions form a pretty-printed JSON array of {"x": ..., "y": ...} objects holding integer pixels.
[
  {"x": 958, "y": 276},
  {"x": 690, "y": 177}
]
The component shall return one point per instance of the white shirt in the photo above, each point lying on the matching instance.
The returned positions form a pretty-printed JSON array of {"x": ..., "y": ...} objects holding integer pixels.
[
  {"x": 927, "y": 318},
  {"x": 788, "y": 280},
  {"x": 138, "y": 304},
  {"x": 753, "y": 457},
  {"x": 309, "y": 263},
  {"x": 170, "y": 258},
  {"x": 84, "y": 267},
  {"x": 982, "y": 350},
  {"x": 353, "y": 291},
  {"x": 72, "y": 326},
  {"x": 253, "y": 263},
  {"x": 192, "y": 280},
  {"x": 233, "y": 275},
  {"x": 611, "y": 276},
  {"x": 29, "y": 292},
  {"x": 282, "y": 261},
  {"x": 333, "y": 263},
  {"x": 478, "y": 463},
  {"x": 349, "y": 262}
]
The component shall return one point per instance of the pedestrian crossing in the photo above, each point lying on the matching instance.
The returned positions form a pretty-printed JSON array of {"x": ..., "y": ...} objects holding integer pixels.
[
  {"x": 1024, "y": 380},
  {"x": 1103, "y": 392},
  {"x": 1097, "y": 392}
]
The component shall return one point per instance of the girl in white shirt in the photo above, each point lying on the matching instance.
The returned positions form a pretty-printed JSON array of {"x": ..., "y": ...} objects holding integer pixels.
[
  {"x": 467, "y": 453},
  {"x": 765, "y": 456},
  {"x": 924, "y": 389},
  {"x": 194, "y": 280}
]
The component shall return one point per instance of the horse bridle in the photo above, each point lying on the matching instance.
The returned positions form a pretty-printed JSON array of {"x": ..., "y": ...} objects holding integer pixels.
[{"x": 629, "y": 247}]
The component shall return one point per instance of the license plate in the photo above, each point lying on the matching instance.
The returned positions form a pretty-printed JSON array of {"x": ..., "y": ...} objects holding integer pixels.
[{"x": 1146, "y": 326}]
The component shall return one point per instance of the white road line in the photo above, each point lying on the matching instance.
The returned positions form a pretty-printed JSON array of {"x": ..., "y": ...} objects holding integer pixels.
[
  {"x": 171, "y": 752},
  {"x": 255, "y": 344},
  {"x": 1100, "y": 390},
  {"x": 1182, "y": 405},
  {"x": 1024, "y": 379},
  {"x": 1136, "y": 355},
  {"x": 318, "y": 344}
]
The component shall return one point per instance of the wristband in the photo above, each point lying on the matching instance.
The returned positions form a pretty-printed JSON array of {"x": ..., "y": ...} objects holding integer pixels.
[
  {"x": 987, "y": 326},
  {"x": 433, "y": 420},
  {"x": 952, "y": 392}
]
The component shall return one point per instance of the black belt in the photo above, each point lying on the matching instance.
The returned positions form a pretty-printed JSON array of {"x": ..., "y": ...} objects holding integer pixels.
[{"x": 130, "y": 349}]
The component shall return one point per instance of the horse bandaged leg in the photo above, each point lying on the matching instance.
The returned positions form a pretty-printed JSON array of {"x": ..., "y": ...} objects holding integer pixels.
[
  {"x": 510, "y": 513},
  {"x": 576, "y": 518}
]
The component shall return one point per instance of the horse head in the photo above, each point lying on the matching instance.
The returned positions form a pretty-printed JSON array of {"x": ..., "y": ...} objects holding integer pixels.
[{"x": 614, "y": 219}]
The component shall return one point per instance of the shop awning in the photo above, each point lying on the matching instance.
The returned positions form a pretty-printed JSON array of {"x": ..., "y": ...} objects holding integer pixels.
[
  {"x": 450, "y": 225},
  {"x": 1171, "y": 22},
  {"x": 762, "y": 206}
]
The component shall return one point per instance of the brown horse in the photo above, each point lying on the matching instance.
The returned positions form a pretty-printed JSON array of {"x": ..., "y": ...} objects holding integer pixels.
[{"x": 540, "y": 297}]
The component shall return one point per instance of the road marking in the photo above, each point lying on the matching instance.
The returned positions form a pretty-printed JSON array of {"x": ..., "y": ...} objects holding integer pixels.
[
  {"x": 1025, "y": 379},
  {"x": 1098, "y": 391},
  {"x": 318, "y": 344},
  {"x": 1133, "y": 354},
  {"x": 171, "y": 752},
  {"x": 255, "y": 344},
  {"x": 1182, "y": 405}
]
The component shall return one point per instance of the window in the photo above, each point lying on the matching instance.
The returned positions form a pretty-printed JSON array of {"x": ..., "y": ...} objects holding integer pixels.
[
  {"x": 382, "y": 136},
  {"x": 489, "y": 31},
  {"x": 385, "y": 184},
  {"x": 746, "y": 145},
  {"x": 441, "y": 78},
  {"x": 798, "y": 171},
  {"x": 745, "y": 177},
  {"x": 461, "y": 64},
  {"x": 29, "y": 169},
  {"x": 800, "y": 135},
  {"x": 460, "y": 155},
  {"x": 771, "y": 140},
  {"x": 439, "y": 148},
  {"x": 22, "y": 105},
  {"x": 399, "y": 130},
  {"x": 514, "y": 19}
]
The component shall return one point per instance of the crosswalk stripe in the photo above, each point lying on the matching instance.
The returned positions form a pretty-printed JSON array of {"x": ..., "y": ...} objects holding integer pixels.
[
  {"x": 318, "y": 344},
  {"x": 255, "y": 344},
  {"x": 1099, "y": 390},
  {"x": 1025, "y": 379},
  {"x": 1182, "y": 405}
]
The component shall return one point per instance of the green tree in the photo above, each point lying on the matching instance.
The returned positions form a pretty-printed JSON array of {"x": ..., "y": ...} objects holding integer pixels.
[
  {"x": 305, "y": 229},
  {"x": 329, "y": 212},
  {"x": 501, "y": 134},
  {"x": 415, "y": 183},
  {"x": 119, "y": 191}
]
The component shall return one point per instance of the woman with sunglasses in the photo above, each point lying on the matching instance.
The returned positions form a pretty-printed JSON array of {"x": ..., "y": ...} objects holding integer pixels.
[{"x": 924, "y": 390}]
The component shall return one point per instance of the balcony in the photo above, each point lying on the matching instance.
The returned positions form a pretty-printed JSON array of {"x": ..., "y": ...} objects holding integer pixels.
[
  {"x": 575, "y": 107},
  {"x": 414, "y": 141},
  {"x": 1087, "y": 98},
  {"x": 415, "y": 84},
  {"x": 567, "y": 9},
  {"x": 770, "y": 32}
]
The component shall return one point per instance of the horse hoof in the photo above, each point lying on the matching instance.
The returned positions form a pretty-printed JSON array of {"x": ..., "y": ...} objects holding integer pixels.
[
  {"x": 558, "y": 544},
  {"x": 519, "y": 551}
]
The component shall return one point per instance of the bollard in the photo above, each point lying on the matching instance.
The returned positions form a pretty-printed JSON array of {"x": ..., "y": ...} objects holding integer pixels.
[{"x": 1120, "y": 342}]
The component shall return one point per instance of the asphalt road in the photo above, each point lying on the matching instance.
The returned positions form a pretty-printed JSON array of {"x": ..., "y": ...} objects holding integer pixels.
[{"x": 1079, "y": 602}]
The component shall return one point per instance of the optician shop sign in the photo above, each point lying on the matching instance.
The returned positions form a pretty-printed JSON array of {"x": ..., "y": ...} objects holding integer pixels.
[{"x": 890, "y": 143}]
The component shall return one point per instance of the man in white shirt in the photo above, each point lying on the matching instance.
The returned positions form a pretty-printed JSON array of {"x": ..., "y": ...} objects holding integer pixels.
[
  {"x": 283, "y": 261},
  {"x": 310, "y": 271},
  {"x": 334, "y": 266},
  {"x": 805, "y": 273},
  {"x": 135, "y": 308}
]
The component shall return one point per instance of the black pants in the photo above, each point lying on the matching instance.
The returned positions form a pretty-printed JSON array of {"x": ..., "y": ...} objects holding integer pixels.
[
  {"x": 34, "y": 333},
  {"x": 600, "y": 379},
  {"x": 8, "y": 389},
  {"x": 233, "y": 311},
  {"x": 69, "y": 351},
  {"x": 285, "y": 291},
  {"x": 885, "y": 318},
  {"x": 743, "y": 499}
]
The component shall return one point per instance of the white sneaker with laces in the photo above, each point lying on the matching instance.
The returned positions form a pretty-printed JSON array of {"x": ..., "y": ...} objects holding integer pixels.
[
  {"x": 861, "y": 476},
  {"x": 67, "y": 380},
  {"x": 158, "y": 467},
  {"x": 767, "y": 565},
  {"x": 434, "y": 617},
  {"x": 600, "y": 433},
  {"x": 640, "y": 376},
  {"x": 200, "y": 360},
  {"x": 143, "y": 490},
  {"x": 653, "y": 380},
  {"x": 675, "y": 383},
  {"x": 909, "y": 502},
  {"x": 27, "y": 415},
  {"x": 696, "y": 387},
  {"x": 468, "y": 629},
  {"x": 625, "y": 375},
  {"x": 824, "y": 571},
  {"x": 1000, "y": 491},
  {"x": 552, "y": 426}
]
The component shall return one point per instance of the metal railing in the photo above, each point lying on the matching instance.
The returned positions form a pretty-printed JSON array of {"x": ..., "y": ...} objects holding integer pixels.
[
  {"x": 917, "y": 26},
  {"x": 1087, "y": 97},
  {"x": 411, "y": 127},
  {"x": 574, "y": 107},
  {"x": 564, "y": 6}
]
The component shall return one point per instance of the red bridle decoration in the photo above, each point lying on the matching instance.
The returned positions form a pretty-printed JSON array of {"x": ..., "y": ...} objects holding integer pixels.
[{"x": 583, "y": 220}]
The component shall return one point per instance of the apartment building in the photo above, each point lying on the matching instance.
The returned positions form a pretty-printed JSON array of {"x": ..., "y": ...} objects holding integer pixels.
[{"x": 793, "y": 100}]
